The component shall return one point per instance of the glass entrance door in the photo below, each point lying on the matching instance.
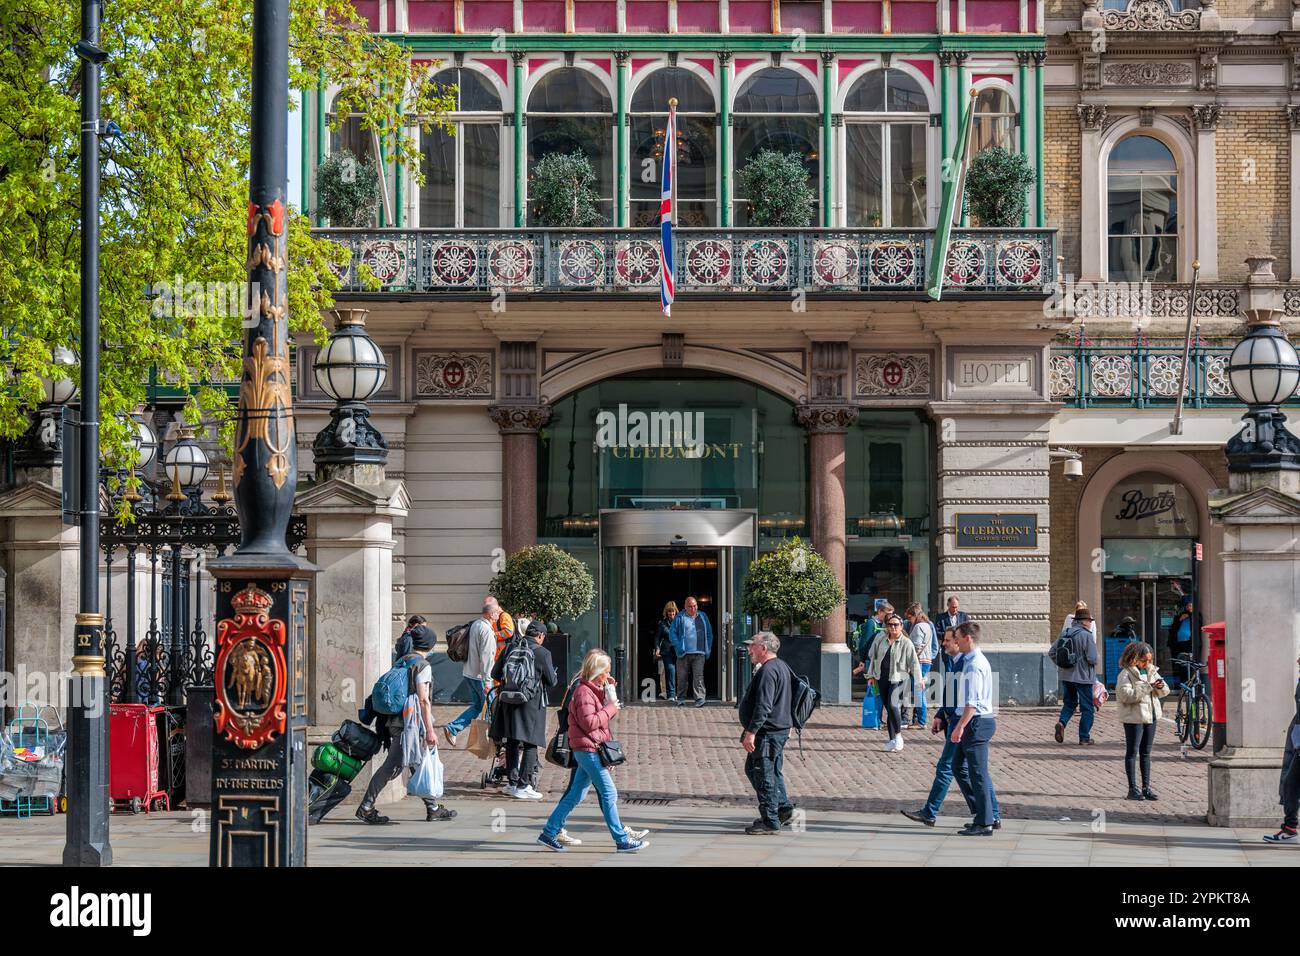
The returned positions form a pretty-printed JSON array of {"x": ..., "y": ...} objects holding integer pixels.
[
  {"x": 1153, "y": 602},
  {"x": 667, "y": 574}
]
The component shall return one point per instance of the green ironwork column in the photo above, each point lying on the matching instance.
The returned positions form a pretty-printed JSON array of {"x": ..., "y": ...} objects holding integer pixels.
[
  {"x": 383, "y": 168},
  {"x": 960, "y": 57},
  {"x": 1040, "y": 56},
  {"x": 518, "y": 57},
  {"x": 620, "y": 140},
  {"x": 1022, "y": 86},
  {"x": 305, "y": 158},
  {"x": 320, "y": 130},
  {"x": 828, "y": 63},
  {"x": 945, "y": 107},
  {"x": 724, "y": 138},
  {"x": 399, "y": 215}
]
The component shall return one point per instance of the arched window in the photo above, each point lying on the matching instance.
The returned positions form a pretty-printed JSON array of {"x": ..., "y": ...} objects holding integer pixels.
[
  {"x": 351, "y": 137},
  {"x": 1142, "y": 211},
  {"x": 885, "y": 119},
  {"x": 697, "y": 150},
  {"x": 462, "y": 168},
  {"x": 995, "y": 121},
  {"x": 569, "y": 110},
  {"x": 776, "y": 109}
]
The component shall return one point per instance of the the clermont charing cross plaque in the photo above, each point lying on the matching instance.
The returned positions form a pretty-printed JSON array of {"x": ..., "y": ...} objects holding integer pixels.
[{"x": 996, "y": 530}]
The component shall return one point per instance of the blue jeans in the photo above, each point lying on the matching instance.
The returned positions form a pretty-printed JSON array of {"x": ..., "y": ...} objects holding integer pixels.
[
  {"x": 477, "y": 697},
  {"x": 588, "y": 770},
  {"x": 943, "y": 775},
  {"x": 970, "y": 765},
  {"x": 1080, "y": 696},
  {"x": 764, "y": 769},
  {"x": 918, "y": 696},
  {"x": 669, "y": 659}
]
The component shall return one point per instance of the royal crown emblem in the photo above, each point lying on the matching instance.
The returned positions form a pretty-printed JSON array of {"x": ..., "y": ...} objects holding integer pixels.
[{"x": 252, "y": 600}]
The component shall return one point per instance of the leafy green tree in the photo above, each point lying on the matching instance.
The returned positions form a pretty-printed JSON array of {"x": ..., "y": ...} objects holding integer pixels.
[
  {"x": 544, "y": 582},
  {"x": 995, "y": 187},
  {"x": 562, "y": 191},
  {"x": 778, "y": 190},
  {"x": 174, "y": 186},
  {"x": 793, "y": 584}
]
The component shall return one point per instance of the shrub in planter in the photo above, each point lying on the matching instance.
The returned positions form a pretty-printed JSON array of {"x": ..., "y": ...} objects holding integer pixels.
[
  {"x": 778, "y": 190},
  {"x": 544, "y": 582},
  {"x": 347, "y": 190},
  {"x": 996, "y": 187},
  {"x": 792, "y": 584},
  {"x": 562, "y": 191}
]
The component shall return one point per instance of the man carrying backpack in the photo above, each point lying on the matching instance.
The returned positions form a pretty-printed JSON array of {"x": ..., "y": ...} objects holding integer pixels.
[
  {"x": 525, "y": 671},
  {"x": 766, "y": 713},
  {"x": 413, "y": 720},
  {"x": 480, "y": 656},
  {"x": 1075, "y": 654}
]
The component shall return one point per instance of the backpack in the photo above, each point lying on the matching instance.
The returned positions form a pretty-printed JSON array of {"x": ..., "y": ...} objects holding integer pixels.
[
  {"x": 519, "y": 681},
  {"x": 458, "y": 643},
  {"x": 395, "y": 685},
  {"x": 803, "y": 701},
  {"x": 1063, "y": 653}
]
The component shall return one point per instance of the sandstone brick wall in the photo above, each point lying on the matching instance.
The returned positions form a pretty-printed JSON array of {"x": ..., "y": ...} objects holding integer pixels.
[
  {"x": 1272, "y": 9},
  {"x": 1254, "y": 161},
  {"x": 1062, "y": 179},
  {"x": 1064, "y": 9},
  {"x": 1064, "y": 504}
]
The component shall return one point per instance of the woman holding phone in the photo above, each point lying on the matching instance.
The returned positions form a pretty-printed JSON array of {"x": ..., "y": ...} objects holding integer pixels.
[
  {"x": 592, "y": 705},
  {"x": 1139, "y": 689}
]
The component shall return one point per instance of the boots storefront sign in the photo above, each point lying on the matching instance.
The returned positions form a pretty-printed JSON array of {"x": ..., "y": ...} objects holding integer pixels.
[{"x": 1149, "y": 505}]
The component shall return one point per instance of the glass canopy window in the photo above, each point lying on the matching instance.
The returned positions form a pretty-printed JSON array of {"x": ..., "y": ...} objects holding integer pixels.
[
  {"x": 462, "y": 168},
  {"x": 995, "y": 121},
  {"x": 1142, "y": 205},
  {"x": 776, "y": 109},
  {"x": 570, "y": 111},
  {"x": 885, "y": 121},
  {"x": 697, "y": 151}
]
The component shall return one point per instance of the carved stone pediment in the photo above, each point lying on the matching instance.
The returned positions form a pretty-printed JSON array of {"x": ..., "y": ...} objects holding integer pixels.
[{"x": 1151, "y": 16}]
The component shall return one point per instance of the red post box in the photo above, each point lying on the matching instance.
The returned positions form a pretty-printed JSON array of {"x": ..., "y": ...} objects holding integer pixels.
[{"x": 1216, "y": 639}]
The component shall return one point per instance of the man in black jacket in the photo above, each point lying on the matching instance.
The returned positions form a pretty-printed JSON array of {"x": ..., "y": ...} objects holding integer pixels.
[{"x": 765, "y": 713}]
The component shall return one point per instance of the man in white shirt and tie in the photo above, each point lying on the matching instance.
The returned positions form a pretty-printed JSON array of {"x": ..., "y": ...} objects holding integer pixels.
[{"x": 974, "y": 730}]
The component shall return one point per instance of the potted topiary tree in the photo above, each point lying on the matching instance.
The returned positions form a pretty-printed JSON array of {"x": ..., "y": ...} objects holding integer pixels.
[
  {"x": 778, "y": 190},
  {"x": 562, "y": 191},
  {"x": 548, "y": 584},
  {"x": 347, "y": 190},
  {"x": 996, "y": 187}
]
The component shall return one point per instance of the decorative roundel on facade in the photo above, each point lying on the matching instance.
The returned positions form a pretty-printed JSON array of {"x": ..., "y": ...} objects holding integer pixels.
[
  {"x": 582, "y": 262},
  {"x": 893, "y": 263},
  {"x": 453, "y": 262},
  {"x": 966, "y": 264},
  {"x": 1112, "y": 376},
  {"x": 892, "y": 374},
  {"x": 386, "y": 259},
  {"x": 1019, "y": 262},
  {"x": 835, "y": 263},
  {"x": 1216, "y": 376},
  {"x": 636, "y": 263},
  {"x": 343, "y": 270},
  {"x": 510, "y": 262},
  {"x": 1164, "y": 373},
  {"x": 708, "y": 262},
  {"x": 1061, "y": 373},
  {"x": 766, "y": 262},
  {"x": 453, "y": 375}
]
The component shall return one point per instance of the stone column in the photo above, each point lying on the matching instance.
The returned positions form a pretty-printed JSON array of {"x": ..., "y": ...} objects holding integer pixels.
[
  {"x": 1092, "y": 117},
  {"x": 1205, "y": 120},
  {"x": 519, "y": 426},
  {"x": 827, "y": 425}
]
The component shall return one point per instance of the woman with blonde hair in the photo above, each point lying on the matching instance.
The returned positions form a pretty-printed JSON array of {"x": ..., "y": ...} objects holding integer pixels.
[
  {"x": 592, "y": 703},
  {"x": 1139, "y": 689},
  {"x": 666, "y": 654}
]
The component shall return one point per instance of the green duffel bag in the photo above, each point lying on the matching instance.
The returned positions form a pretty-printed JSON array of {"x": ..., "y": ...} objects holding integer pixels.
[{"x": 330, "y": 759}]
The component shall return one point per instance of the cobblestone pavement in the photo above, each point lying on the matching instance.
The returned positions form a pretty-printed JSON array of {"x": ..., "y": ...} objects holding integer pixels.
[{"x": 689, "y": 755}]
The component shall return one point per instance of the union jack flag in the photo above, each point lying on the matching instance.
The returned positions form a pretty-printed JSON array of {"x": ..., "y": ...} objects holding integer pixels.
[{"x": 666, "y": 288}]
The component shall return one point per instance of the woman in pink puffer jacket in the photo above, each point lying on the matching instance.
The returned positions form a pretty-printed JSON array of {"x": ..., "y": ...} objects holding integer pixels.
[{"x": 591, "y": 706}]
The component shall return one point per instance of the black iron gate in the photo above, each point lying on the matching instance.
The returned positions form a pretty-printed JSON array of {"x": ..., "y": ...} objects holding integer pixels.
[{"x": 159, "y": 646}]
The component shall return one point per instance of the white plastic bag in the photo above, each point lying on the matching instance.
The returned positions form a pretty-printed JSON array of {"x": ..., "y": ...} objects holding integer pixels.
[
  {"x": 1099, "y": 693},
  {"x": 426, "y": 781}
]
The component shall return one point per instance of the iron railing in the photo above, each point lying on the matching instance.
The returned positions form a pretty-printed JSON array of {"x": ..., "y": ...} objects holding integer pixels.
[{"x": 705, "y": 261}]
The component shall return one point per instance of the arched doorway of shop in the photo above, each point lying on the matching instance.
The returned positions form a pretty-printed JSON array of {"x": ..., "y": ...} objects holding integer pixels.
[{"x": 667, "y": 484}]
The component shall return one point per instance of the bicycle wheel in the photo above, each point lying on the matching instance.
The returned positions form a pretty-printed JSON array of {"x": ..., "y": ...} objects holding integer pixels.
[
  {"x": 1181, "y": 723},
  {"x": 1202, "y": 715}
]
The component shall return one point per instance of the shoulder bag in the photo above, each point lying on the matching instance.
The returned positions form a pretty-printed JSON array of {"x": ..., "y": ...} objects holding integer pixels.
[{"x": 558, "y": 751}]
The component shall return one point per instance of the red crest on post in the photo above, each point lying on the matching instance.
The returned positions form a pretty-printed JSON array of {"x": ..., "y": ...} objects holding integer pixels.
[{"x": 250, "y": 671}]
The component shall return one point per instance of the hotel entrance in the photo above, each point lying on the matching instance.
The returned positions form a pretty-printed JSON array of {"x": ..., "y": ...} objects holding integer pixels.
[{"x": 651, "y": 557}]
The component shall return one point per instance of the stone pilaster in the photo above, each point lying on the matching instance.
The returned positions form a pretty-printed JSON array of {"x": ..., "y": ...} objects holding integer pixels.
[
  {"x": 827, "y": 425},
  {"x": 519, "y": 426}
]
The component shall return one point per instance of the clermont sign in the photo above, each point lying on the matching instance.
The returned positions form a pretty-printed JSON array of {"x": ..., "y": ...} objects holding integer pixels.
[{"x": 996, "y": 530}]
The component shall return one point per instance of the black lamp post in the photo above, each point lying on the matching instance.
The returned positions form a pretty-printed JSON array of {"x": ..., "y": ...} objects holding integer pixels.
[
  {"x": 42, "y": 445},
  {"x": 1264, "y": 371},
  {"x": 350, "y": 369}
]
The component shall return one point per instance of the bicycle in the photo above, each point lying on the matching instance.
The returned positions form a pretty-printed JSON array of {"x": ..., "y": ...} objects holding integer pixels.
[{"x": 1195, "y": 712}]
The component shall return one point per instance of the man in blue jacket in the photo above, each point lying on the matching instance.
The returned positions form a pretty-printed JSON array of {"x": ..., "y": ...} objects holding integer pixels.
[{"x": 692, "y": 638}]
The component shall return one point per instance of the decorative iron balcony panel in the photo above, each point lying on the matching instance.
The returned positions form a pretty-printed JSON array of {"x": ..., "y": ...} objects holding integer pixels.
[
  {"x": 705, "y": 261},
  {"x": 1138, "y": 376}
]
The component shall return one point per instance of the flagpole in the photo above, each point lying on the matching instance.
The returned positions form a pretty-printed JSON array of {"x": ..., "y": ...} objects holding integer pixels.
[{"x": 954, "y": 179}]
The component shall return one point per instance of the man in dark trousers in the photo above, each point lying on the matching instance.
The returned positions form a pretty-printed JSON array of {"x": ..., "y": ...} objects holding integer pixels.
[
  {"x": 974, "y": 730},
  {"x": 765, "y": 713},
  {"x": 1289, "y": 784}
]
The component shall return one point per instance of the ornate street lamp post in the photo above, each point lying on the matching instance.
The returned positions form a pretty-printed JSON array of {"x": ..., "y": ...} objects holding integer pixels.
[
  {"x": 1264, "y": 371},
  {"x": 351, "y": 370},
  {"x": 259, "y": 759},
  {"x": 42, "y": 446}
]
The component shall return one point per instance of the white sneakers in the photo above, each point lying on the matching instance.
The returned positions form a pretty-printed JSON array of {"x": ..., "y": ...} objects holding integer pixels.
[
  {"x": 563, "y": 837},
  {"x": 895, "y": 744},
  {"x": 522, "y": 793}
]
